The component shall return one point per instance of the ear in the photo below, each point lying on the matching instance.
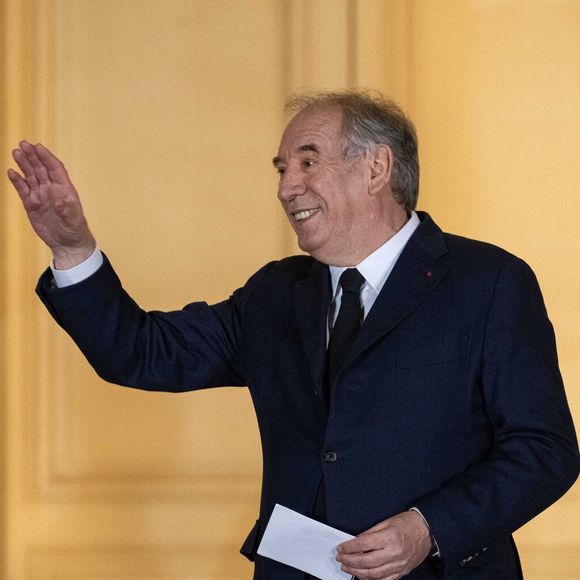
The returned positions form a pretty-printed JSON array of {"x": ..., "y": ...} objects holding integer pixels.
[{"x": 381, "y": 168}]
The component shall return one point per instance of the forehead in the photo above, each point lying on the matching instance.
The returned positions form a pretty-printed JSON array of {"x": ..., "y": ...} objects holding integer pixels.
[{"x": 320, "y": 126}]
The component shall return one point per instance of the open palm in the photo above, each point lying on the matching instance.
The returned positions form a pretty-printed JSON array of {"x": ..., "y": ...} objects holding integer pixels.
[{"x": 51, "y": 202}]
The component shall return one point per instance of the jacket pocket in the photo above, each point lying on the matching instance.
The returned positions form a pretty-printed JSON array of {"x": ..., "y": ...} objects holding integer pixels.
[{"x": 434, "y": 354}]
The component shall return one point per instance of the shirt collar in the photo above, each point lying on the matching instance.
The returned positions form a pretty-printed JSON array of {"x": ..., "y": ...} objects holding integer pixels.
[{"x": 377, "y": 266}]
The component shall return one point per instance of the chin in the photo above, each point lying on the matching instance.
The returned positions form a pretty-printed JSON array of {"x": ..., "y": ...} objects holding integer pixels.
[
  {"x": 310, "y": 247},
  {"x": 318, "y": 255},
  {"x": 304, "y": 245},
  {"x": 320, "y": 252}
]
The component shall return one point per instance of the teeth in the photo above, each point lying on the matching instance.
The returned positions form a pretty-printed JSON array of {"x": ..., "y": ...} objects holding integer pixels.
[{"x": 302, "y": 215}]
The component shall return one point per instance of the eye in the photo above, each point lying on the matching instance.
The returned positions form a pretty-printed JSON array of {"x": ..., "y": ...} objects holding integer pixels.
[
  {"x": 279, "y": 170},
  {"x": 308, "y": 163}
]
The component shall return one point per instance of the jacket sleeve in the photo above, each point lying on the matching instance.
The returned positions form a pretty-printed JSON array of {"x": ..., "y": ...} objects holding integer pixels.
[
  {"x": 534, "y": 457},
  {"x": 193, "y": 348}
]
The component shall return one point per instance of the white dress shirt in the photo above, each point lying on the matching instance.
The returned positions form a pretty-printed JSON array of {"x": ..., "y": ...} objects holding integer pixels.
[
  {"x": 375, "y": 268},
  {"x": 78, "y": 273}
]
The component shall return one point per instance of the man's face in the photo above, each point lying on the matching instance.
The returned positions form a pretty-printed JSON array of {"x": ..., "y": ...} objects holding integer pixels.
[{"x": 325, "y": 197}]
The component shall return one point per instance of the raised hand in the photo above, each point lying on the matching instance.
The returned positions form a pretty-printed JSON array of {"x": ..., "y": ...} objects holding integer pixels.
[
  {"x": 52, "y": 204},
  {"x": 388, "y": 550}
]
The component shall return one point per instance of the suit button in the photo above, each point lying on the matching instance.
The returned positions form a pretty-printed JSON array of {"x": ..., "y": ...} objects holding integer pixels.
[{"x": 329, "y": 457}]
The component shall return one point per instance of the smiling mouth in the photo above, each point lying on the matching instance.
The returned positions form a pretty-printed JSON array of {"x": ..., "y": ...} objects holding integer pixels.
[{"x": 304, "y": 214}]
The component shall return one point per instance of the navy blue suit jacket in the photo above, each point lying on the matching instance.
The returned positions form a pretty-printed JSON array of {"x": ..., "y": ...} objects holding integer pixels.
[{"x": 450, "y": 400}]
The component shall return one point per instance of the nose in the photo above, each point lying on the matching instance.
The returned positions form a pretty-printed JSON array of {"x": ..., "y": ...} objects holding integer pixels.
[{"x": 291, "y": 185}]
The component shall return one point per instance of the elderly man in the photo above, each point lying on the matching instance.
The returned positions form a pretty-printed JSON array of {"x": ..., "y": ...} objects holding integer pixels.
[{"x": 405, "y": 380}]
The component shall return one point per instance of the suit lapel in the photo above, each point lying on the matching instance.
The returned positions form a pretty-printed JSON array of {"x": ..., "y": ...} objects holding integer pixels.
[
  {"x": 312, "y": 299},
  {"x": 417, "y": 272}
]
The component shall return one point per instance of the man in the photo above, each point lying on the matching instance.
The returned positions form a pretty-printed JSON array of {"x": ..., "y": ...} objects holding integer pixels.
[{"x": 432, "y": 432}]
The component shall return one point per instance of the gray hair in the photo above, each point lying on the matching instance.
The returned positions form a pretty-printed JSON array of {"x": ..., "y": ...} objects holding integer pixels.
[{"x": 369, "y": 120}]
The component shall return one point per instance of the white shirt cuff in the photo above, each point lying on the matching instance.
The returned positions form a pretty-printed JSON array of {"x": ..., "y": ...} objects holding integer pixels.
[
  {"x": 78, "y": 273},
  {"x": 435, "y": 551}
]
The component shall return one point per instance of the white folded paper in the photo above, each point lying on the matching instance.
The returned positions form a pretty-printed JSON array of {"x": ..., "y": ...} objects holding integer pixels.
[{"x": 303, "y": 543}]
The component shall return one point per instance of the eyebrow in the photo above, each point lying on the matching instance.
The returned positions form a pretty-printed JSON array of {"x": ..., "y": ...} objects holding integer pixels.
[{"x": 307, "y": 147}]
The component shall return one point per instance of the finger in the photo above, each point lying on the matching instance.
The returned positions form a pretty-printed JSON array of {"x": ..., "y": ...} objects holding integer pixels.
[
  {"x": 39, "y": 168},
  {"x": 26, "y": 167},
  {"x": 363, "y": 543},
  {"x": 378, "y": 573},
  {"x": 365, "y": 560},
  {"x": 19, "y": 183},
  {"x": 53, "y": 164}
]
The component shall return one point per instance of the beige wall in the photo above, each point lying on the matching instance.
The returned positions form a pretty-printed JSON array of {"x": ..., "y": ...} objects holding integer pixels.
[{"x": 167, "y": 113}]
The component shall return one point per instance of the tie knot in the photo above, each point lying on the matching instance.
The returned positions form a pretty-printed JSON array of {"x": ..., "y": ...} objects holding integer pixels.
[{"x": 351, "y": 280}]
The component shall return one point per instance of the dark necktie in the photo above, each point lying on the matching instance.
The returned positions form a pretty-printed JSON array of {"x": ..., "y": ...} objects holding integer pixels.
[
  {"x": 347, "y": 322},
  {"x": 342, "y": 336}
]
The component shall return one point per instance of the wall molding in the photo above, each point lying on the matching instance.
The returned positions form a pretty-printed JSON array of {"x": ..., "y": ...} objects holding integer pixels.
[
  {"x": 49, "y": 473},
  {"x": 20, "y": 107},
  {"x": 54, "y": 475},
  {"x": 160, "y": 562},
  {"x": 320, "y": 42}
]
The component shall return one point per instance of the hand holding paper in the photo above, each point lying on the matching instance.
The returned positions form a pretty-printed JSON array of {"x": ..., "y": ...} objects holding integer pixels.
[
  {"x": 391, "y": 549},
  {"x": 303, "y": 543}
]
